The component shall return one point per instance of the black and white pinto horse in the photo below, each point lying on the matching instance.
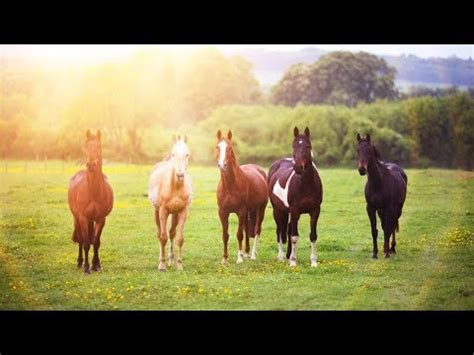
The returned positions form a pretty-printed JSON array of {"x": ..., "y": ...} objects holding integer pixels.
[
  {"x": 295, "y": 188},
  {"x": 385, "y": 192}
]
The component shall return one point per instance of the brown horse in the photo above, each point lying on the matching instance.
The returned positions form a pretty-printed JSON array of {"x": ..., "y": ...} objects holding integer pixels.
[
  {"x": 242, "y": 190},
  {"x": 170, "y": 192},
  {"x": 90, "y": 199}
]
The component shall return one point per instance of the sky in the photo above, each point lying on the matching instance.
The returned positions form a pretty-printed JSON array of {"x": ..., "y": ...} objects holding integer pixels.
[{"x": 92, "y": 53}]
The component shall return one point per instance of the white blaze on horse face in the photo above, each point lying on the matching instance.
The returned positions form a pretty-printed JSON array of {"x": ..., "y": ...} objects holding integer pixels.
[
  {"x": 282, "y": 194},
  {"x": 180, "y": 156},
  {"x": 222, "y": 150}
]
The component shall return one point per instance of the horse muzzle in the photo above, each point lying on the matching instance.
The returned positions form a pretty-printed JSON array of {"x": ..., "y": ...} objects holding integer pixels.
[
  {"x": 180, "y": 176},
  {"x": 362, "y": 170}
]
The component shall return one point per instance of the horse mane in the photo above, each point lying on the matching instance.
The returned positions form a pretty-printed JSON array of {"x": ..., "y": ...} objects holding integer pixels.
[{"x": 377, "y": 154}]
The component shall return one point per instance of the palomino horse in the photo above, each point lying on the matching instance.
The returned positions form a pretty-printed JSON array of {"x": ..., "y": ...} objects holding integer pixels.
[
  {"x": 169, "y": 190},
  {"x": 385, "y": 192},
  {"x": 241, "y": 190},
  {"x": 90, "y": 199},
  {"x": 295, "y": 188}
]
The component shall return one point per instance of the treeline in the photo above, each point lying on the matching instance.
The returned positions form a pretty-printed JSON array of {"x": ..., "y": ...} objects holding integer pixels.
[
  {"x": 418, "y": 132},
  {"x": 140, "y": 102}
]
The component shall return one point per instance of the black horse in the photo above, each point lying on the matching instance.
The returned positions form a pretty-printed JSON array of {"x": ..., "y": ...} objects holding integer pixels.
[
  {"x": 295, "y": 188},
  {"x": 385, "y": 192}
]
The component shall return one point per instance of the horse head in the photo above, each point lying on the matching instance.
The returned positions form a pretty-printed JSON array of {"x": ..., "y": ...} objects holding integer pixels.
[
  {"x": 93, "y": 151},
  {"x": 180, "y": 156},
  {"x": 366, "y": 152},
  {"x": 224, "y": 152},
  {"x": 301, "y": 151}
]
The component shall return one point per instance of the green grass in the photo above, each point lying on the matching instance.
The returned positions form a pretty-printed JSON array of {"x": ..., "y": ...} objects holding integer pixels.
[{"x": 433, "y": 267}]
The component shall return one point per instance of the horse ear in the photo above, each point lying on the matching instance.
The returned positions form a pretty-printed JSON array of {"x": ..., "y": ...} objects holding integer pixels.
[
  {"x": 306, "y": 132},
  {"x": 296, "y": 132},
  {"x": 358, "y": 137},
  {"x": 229, "y": 135},
  {"x": 367, "y": 137},
  {"x": 219, "y": 135},
  {"x": 98, "y": 134},
  {"x": 88, "y": 134},
  {"x": 185, "y": 139}
]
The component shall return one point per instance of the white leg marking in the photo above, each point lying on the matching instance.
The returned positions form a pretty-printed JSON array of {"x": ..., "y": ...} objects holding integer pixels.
[
  {"x": 254, "y": 249},
  {"x": 240, "y": 256},
  {"x": 281, "y": 255},
  {"x": 294, "y": 240},
  {"x": 314, "y": 256}
]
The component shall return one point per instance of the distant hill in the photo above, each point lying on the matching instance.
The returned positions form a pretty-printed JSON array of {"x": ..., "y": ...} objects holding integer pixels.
[{"x": 269, "y": 66}]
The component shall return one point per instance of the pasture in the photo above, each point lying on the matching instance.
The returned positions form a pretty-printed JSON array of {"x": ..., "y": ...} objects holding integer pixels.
[{"x": 433, "y": 267}]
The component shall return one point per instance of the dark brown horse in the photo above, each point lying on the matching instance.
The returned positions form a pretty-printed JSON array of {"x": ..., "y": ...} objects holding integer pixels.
[
  {"x": 385, "y": 192},
  {"x": 241, "y": 190},
  {"x": 295, "y": 188},
  {"x": 90, "y": 199}
]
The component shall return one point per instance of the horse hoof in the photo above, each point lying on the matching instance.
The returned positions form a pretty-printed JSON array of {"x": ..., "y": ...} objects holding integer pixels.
[
  {"x": 87, "y": 272},
  {"x": 239, "y": 261},
  {"x": 374, "y": 257},
  {"x": 314, "y": 264},
  {"x": 292, "y": 263},
  {"x": 247, "y": 255},
  {"x": 254, "y": 257},
  {"x": 281, "y": 257},
  {"x": 387, "y": 256},
  {"x": 179, "y": 266},
  {"x": 224, "y": 261},
  {"x": 392, "y": 251}
]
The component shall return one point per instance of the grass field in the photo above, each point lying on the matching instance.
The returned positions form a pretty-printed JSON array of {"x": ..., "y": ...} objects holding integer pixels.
[{"x": 433, "y": 267}]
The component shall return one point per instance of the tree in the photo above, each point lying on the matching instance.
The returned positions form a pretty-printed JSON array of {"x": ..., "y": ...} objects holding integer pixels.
[{"x": 337, "y": 78}]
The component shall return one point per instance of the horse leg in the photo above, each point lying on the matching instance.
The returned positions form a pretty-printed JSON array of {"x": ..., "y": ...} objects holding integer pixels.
[
  {"x": 84, "y": 230},
  {"x": 174, "y": 223},
  {"x": 99, "y": 226},
  {"x": 295, "y": 216},
  {"x": 224, "y": 217},
  {"x": 248, "y": 221},
  {"x": 373, "y": 226},
  {"x": 163, "y": 214},
  {"x": 392, "y": 246},
  {"x": 80, "y": 258},
  {"x": 258, "y": 229},
  {"x": 180, "y": 241},
  {"x": 397, "y": 216},
  {"x": 313, "y": 236},
  {"x": 281, "y": 220},
  {"x": 387, "y": 231},
  {"x": 242, "y": 214},
  {"x": 76, "y": 237}
]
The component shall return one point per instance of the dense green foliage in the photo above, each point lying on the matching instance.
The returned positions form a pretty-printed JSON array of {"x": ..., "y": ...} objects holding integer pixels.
[
  {"x": 338, "y": 78},
  {"x": 417, "y": 132}
]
